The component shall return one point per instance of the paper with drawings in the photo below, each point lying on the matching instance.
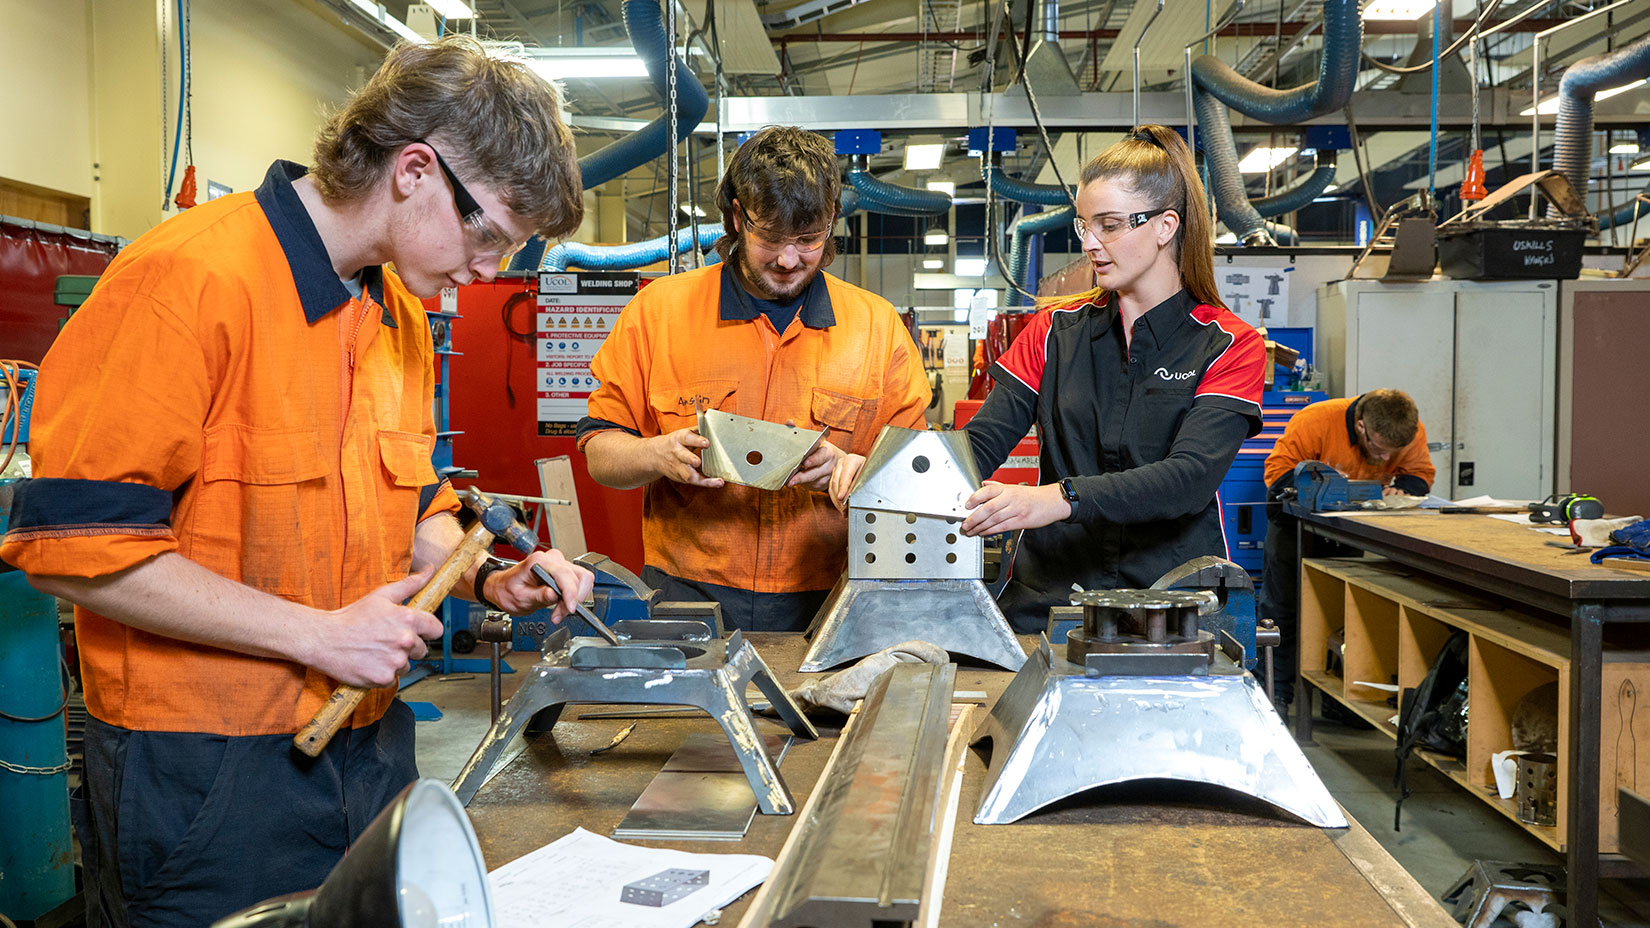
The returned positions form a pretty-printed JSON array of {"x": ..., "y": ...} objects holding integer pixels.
[{"x": 578, "y": 880}]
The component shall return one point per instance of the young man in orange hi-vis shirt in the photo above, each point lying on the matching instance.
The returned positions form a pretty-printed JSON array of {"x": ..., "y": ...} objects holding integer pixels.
[
  {"x": 233, "y": 484},
  {"x": 766, "y": 334},
  {"x": 1376, "y": 436}
]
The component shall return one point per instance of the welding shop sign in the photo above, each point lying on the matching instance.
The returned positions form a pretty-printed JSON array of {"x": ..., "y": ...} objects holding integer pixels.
[{"x": 575, "y": 313}]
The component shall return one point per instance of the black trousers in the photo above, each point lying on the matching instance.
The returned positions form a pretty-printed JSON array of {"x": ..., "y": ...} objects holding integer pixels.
[
  {"x": 753, "y": 612},
  {"x": 181, "y": 829},
  {"x": 1280, "y": 594}
]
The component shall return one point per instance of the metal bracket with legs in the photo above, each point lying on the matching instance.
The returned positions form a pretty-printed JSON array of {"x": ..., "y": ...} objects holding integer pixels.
[{"x": 708, "y": 674}]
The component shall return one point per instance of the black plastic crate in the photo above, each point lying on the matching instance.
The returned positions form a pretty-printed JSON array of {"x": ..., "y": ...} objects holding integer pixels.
[{"x": 1510, "y": 252}]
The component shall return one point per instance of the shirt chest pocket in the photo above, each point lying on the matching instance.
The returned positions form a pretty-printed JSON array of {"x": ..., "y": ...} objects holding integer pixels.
[
  {"x": 262, "y": 457},
  {"x": 1162, "y": 411},
  {"x": 406, "y": 457},
  {"x": 678, "y": 408},
  {"x": 261, "y": 496},
  {"x": 849, "y": 418}
]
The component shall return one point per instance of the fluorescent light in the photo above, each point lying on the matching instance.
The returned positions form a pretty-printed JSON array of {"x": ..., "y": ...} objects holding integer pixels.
[
  {"x": 960, "y": 300},
  {"x": 1549, "y": 106},
  {"x": 943, "y": 186},
  {"x": 969, "y": 267},
  {"x": 695, "y": 212},
  {"x": 924, "y": 157},
  {"x": 452, "y": 9},
  {"x": 1624, "y": 148},
  {"x": 935, "y": 238},
  {"x": 1640, "y": 166},
  {"x": 376, "y": 13},
  {"x": 933, "y": 264},
  {"x": 584, "y": 63},
  {"x": 1397, "y": 9},
  {"x": 1262, "y": 159}
]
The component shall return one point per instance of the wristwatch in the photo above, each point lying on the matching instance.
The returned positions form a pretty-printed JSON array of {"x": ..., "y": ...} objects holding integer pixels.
[
  {"x": 1069, "y": 491},
  {"x": 488, "y": 567}
]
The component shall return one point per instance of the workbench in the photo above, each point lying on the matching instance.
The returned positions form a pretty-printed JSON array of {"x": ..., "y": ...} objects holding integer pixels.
[
  {"x": 1122, "y": 855},
  {"x": 1513, "y": 563}
]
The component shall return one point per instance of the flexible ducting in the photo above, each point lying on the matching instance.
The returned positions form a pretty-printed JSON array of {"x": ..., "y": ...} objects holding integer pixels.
[
  {"x": 1217, "y": 83},
  {"x": 1343, "y": 36},
  {"x": 1309, "y": 188},
  {"x": 1021, "y": 192},
  {"x": 1022, "y": 229},
  {"x": 625, "y": 257},
  {"x": 850, "y": 202},
  {"x": 643, "y": 20},
  {"x": 1628, "y": 214},
  {"x": 877, "y": 196},
  {"x": 1573, "y": 131}
]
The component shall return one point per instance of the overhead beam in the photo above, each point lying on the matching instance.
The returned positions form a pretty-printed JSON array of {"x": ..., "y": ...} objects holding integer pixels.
[
  {"x": 1252, "y": 29},
  {"x": 955, "y": 112}
]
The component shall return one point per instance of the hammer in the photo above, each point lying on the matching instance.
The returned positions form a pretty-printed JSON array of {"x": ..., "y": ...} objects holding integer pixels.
[
  {"x": 502, "y": 522},
  {"x": 494, "y": 519}
]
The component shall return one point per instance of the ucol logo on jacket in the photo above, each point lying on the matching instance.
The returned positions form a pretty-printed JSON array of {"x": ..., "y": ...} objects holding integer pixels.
[{"x": 1167, "y": 374}]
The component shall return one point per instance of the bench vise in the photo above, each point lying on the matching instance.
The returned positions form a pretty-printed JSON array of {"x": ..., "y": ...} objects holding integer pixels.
[{"x": 1321, "y": 488}]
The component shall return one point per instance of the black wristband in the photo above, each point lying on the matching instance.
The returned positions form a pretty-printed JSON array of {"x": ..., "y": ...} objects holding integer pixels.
[{"x": 488, "y": 568}]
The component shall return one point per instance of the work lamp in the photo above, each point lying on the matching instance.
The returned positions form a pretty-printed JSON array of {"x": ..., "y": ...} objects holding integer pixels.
[{"x": 416, "y": 866}]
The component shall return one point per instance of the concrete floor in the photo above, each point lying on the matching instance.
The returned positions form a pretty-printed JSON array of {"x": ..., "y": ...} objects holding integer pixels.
[{"x": 1444, "y": 829}]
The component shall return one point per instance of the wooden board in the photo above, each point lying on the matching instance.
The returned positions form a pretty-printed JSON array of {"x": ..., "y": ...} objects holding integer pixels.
[{"x": 566, "y": 522}]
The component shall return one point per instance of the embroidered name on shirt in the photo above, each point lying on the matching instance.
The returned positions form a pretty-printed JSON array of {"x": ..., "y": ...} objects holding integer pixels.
[{"x": 1167, "y": 374}]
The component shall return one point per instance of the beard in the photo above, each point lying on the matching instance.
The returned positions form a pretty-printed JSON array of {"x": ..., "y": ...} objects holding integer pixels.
[{"x": 760, "y": 279}]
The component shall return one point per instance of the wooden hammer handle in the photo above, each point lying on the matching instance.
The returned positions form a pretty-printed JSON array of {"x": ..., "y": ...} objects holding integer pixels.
[{"x": 313, "y": 738}]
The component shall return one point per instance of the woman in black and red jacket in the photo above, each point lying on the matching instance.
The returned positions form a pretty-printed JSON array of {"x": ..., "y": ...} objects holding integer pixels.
[{"x": 1142, "y": 390}]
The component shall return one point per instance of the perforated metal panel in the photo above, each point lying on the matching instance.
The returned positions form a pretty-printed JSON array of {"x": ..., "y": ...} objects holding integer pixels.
[{"x": 903, "y": 546}]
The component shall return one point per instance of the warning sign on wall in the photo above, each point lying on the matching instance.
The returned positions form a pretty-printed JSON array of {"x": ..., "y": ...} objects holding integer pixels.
[{"x": 575, "y": 313}]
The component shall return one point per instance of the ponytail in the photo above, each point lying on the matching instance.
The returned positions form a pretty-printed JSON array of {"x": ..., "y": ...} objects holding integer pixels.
[{"x": 1155, "y": 162}]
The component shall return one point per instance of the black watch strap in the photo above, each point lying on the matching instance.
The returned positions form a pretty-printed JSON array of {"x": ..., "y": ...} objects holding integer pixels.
[{"x": 488, "y": 567}]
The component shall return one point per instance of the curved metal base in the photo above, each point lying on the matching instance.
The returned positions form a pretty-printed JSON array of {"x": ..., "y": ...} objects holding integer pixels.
[
  {"x": 862, "y": 617},
  {"x": 1056, "y": 732},
  {"x": 709, "y": 675}
]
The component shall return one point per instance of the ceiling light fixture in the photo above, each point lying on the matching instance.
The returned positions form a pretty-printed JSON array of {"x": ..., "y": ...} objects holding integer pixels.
[
  {"x": 1549, "y": 106},
  {"x": 452, "y": 9},
  {"x": 1261, "y": 159},
  {"x": 935, "y": 238},
  {"x": 933, "y": 264},
  {"x": 1640, "y": 166},
  {"x": 924, "y": 157},
  {"x": 969, "y": 267},
  {"x": 1624, "y": 148},
  {"x": 943, "y": 186},
  {"x": 560, "y": 64},
  {"x": 375, "y": 12}
]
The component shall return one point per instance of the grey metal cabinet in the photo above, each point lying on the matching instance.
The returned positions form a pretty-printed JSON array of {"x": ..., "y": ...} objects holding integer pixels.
[{"x": 1479, "y": 357}]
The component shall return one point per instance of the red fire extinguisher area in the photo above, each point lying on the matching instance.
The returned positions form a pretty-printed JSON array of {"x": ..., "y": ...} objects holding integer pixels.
[{"x": 492, "y": 398}]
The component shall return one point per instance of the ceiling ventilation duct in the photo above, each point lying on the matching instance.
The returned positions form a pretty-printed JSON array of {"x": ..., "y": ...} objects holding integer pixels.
[
  {"x": 1046, "y": 68},
  {"x": 1573, "y": 130},
  {"x": 1216, "y": 83},
  {"x": 627, "y": 257},
  {"x": 644, "y": 21}
]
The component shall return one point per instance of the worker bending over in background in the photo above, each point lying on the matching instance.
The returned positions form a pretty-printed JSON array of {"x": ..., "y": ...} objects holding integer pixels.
[
  {"x": 1142, "y": 391},
  {"x": 1376, "y": 436},
  {"x": 766, "y": 334},
  {"x": 233, "y": 483}
]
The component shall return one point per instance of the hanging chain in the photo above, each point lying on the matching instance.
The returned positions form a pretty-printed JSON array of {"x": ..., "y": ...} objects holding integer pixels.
[
  {"x": 165, "y": 94},
  {"x": 38, "y": 771},
  {"x": 673, "y": 168},
  {"x": 1472, "y": 49},
  {"x": 188, "y": 84}
]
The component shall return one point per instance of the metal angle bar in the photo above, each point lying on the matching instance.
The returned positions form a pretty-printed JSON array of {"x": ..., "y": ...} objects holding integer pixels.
[
  {"x": 752, "y": 452},
  {"x": 859, "y": 856}
]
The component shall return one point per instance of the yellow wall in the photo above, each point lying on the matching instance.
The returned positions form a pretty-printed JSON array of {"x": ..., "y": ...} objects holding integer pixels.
[
  {"x": 83, "y": 111},
  {"x": 43, "y": 111}
]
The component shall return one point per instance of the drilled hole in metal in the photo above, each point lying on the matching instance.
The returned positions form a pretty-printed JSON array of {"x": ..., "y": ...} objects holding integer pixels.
[
  {"x": 951, "y": 539},
  {"x": 754, "y": 458},
  {"x": 919, "y": 464},
  {"x": 870, "y": 517},
  {"x": 951, "y": 558},
  {"x": 870, "y": 558},
  {"x": 910, "y": 538},
  {"x": 910, "y": 518},
  {"x": 911, "y": 558},
  {"x": 870, "y": 538}
]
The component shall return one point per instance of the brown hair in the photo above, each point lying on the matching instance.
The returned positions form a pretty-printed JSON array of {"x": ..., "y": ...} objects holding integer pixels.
[
  {"x": 1390, "y": 416},
  {"x": 494, "y": 121},
  {"x": 789, "y": 177},
  {"x": 1154, "y": 162}
]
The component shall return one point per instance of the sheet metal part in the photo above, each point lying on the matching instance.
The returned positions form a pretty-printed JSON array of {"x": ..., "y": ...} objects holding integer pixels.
[
  {"x": 1489, "y": 886},
  {"x": 710, "y": 675},
  {"x": 885, "y": 545},
  {"x": 862, "y": 617},
  {"x": 1058, "y": 731},
  {"x": 1143, "y": 631},
  {"x": 861, "y": 858},
  {"x": 1234, "y": 590},
  {"x": 699, "y": 795},
  {"x": 914, "y": 471},
  {"x": 753, "y": 452}
]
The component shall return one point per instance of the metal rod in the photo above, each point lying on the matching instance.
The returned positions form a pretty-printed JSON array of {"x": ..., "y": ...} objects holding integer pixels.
[
  {"x": 1138, "y": 39},
  {"x": 1191, "y": 116},
  {"x": 495, "y": 705}
]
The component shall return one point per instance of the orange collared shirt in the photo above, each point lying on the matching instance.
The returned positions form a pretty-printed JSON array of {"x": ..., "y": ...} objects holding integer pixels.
[
  {"x": 845, "y": 361},
  {"x": 1323, "y": 432},
  {"x": 222, "y": 395}
]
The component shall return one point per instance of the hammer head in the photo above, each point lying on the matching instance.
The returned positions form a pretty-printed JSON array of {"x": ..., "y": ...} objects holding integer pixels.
[{"x": 501, "y": 520}]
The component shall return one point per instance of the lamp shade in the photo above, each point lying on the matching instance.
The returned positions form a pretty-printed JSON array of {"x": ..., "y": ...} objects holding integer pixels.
[{"x": 416, "y": 866}]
